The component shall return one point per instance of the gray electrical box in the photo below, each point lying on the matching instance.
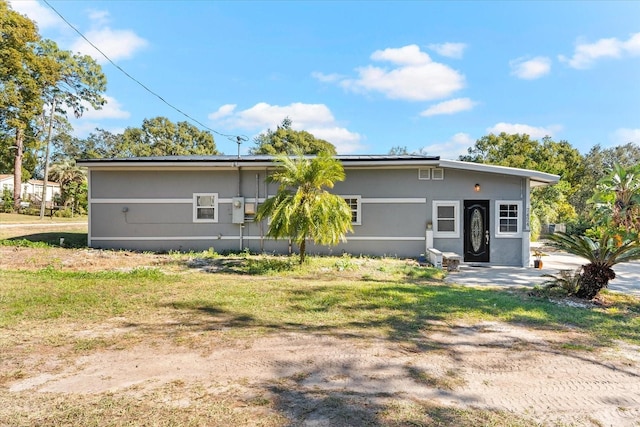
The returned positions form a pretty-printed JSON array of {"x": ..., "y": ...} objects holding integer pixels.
[{"x": 237, "y": 210}]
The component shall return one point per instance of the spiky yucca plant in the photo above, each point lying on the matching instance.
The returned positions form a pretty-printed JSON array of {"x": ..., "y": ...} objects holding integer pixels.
[{"x": 602, "y": 255}]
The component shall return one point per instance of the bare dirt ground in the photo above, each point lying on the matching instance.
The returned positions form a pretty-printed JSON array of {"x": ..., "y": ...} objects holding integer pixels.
[{"x": 487, "y": 365}]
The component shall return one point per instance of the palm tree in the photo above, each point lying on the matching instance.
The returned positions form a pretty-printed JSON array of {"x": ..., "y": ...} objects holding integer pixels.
[
  {"x": 70, "y": 177},
  {"x": 618, "y": 196},
  {"x": 602, "y": 255},
  {"x": 302, "y": 208}
]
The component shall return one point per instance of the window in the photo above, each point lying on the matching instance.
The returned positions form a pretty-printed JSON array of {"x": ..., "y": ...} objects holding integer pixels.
[
  {"x": 446, "y": 219},
  {"x": 205, "y": 207},
  {"x": 508, "y": 222},
  {"x": 431, "y": 173},
  {"x": 354, "y": 204}
]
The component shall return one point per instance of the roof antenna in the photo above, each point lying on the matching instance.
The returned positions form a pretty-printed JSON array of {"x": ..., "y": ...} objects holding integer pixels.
[{"x": 239, "y": 141}]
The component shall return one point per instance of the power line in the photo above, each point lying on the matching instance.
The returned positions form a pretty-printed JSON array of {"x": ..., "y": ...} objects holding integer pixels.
[{"x": 234, "y": 138}]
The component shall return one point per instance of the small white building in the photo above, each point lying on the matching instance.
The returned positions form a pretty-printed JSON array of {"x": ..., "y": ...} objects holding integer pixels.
[{"x": 31, "y": 190}]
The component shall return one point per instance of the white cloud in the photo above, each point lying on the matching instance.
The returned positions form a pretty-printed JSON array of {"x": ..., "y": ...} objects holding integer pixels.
[
  {"x": 111, "y": 110},
  {"x": 624, "y": 136},
  {"x": 326, "y": 78},
  {"x": 223, "y": 111},
  {"x": 450, "y": 50},
  {"x": 316, "y": 119},
  {"x": 451, "y": 149},
  {"x": 451, "y": 106},
  {"x": 532, "y": 131},
  {"x": 407, "y": 55},
  {"x": 346, "y": 142},
  {"x": 586, "y": 54},
  {"x": 98, "y": 17},
  {"x": 530, "y": 69},
  {"x": 414, "y": 76},
  {"x": 43, "y": 16},
  {"x": 116, "y": 44},
  {"x": 92, "y": 119}
]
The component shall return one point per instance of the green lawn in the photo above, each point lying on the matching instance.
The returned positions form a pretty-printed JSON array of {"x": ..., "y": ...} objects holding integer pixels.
[
  {"x": 12, "y": 218},
  {"x": 368, "y": 299},
  {"x": 247, "y": 296}
]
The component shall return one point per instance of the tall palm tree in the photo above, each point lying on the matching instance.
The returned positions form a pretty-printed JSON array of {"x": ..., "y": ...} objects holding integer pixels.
[
  {"x": 302, "y": 208},
  {"x": 602, "y": 255}
]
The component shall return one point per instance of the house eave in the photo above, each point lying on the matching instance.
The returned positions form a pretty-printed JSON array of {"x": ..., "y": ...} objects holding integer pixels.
[{"x": 536, "y": 178}]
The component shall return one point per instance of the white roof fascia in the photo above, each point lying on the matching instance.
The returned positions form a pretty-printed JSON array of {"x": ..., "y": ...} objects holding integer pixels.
[{"x": 537, "y": 178}]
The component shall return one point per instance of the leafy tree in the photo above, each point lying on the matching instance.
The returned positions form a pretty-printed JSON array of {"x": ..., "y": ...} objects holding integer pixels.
[
  {"x": 99, "y": 144},
  {"x": 76, "y": 80},
  {"x": 302, "y": 208},
  {"x": 285, "y": 140},
  {"x": 550, "y": 203},
  {"x": 21, "y": 73},
  {"x": 161, "y": 137},
  {"x": 597, "y": 163},
  {"x": 602, "y": 255}
]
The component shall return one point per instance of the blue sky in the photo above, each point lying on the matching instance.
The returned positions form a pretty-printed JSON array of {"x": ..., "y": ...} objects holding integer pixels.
[{"x": 366, "y": 76}]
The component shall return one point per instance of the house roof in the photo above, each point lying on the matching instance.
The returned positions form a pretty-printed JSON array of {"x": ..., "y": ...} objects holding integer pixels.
[
  {"x": 350, "y": 161},
  {"x": 4, "y": 177}
]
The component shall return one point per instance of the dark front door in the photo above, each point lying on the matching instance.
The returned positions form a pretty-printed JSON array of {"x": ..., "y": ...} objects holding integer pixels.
[{"x": 476, "y": 231}]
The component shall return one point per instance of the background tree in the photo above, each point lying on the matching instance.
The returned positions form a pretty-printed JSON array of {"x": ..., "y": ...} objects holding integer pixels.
[
  {"x": 21, "y": 73},
  {"x": 302, "y": 208},
  {"x": 161, "y": 137},
  {"x": 72, "y": 182},
  {"x": 76, "y": 82},
  {"x": 285, "y": 140},
  {"x": 549, "y": 204},
  {"x": 597, "y": 163},
  {"x": 617, "y": 201},
  {"x": 99, "y": 144},
  {"x": 398, "y": 150}
]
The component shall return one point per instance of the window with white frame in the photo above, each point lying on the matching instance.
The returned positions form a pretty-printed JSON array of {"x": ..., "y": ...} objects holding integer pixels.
[
  {"x": 436, "y": 174},
  {"x": 446, "y": 218},
  {"x": 205, "y": 207},
  {"x": 354, "y": 204},
  {"x": 508, "y": 218}
]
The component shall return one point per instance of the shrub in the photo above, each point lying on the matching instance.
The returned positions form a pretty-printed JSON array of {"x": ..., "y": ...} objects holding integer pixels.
[
  {"x": 566, "y": 281},
  {"x": 7, "y": 200}
]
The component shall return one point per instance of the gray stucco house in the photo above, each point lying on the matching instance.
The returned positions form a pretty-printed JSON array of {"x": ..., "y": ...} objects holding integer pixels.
[{"x": 402, "y": 205}]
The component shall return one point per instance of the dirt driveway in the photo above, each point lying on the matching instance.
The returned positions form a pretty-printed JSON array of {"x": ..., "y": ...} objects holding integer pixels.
[{"x": 487, "y": 365}]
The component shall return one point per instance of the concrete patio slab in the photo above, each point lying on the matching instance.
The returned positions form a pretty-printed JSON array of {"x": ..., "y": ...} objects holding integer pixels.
[{"x": 627, "y": 275}]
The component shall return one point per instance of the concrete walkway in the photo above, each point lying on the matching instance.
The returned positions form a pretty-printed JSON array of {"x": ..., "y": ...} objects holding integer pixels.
[{"x": 627, "y": 274}]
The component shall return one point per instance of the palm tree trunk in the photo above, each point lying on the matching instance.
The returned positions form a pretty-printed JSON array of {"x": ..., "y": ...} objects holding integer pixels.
[
  {"x": 594, "y": 279},
  {"x": 303, "y": 248}
]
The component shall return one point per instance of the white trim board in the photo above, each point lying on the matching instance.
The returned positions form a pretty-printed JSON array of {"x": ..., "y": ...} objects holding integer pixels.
[{"x": 160, "y": 238}]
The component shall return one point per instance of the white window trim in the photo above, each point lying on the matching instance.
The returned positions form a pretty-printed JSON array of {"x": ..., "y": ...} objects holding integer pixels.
[
  {"x": 195, "y": 207},
  {"x": 358, "y": 208},
  {"x": 426, "y": 174},
  {"x": 439, "y": 176},
  {"x": 456, "y": 218},
  {"x": 500, "y": 234}
]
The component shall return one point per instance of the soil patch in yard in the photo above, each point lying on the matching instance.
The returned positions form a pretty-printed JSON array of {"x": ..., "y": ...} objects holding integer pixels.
[{"x": 489, "y": 366}]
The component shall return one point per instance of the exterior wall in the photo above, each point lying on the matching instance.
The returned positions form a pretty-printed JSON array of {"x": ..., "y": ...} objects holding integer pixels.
[{"x": 153, "y": 210}]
